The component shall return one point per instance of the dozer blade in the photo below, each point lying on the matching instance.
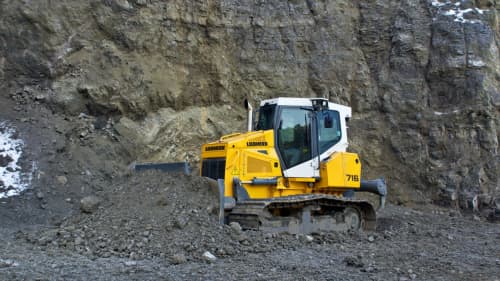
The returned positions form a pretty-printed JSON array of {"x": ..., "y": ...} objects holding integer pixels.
[
  {"x": 304, "y": 214},
  {"x": 174, "y": 167},
  {"x": 224, "y": 203},
  {"x": 217, "y": 188}
]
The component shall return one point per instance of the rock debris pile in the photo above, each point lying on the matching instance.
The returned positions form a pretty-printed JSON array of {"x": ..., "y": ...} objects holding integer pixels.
[{"x": 153, "y": 214}]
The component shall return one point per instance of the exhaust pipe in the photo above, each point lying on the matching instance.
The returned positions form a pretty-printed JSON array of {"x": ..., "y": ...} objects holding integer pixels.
[{"x": 249, "y": 108}]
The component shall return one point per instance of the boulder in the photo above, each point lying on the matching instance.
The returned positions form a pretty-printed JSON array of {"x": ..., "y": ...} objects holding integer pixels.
[{"x": 90, "y": 204}]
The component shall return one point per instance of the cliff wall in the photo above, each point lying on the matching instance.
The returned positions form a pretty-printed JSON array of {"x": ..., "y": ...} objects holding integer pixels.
[{"x": 162, "y": 77}]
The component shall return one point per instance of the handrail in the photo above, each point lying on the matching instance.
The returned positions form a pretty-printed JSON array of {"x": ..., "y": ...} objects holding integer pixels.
[{"x": 229, "y": 136}]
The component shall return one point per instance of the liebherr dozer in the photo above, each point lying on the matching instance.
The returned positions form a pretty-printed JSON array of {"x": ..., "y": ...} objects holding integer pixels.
[{"x": 291, "y": 172}]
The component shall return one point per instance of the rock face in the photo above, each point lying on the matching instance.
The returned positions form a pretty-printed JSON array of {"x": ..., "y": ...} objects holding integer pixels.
[{"x": 165, "y": 76}]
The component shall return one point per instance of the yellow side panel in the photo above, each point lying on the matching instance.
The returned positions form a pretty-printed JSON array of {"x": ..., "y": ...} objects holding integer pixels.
[
  {"x": 352, "y": 170},
  {"x": 248, "y": 156},
  {"x": 255, "y": 165},
  {"x": 259, "y": 165},
  {"x": 342, "y": 170},
  {"x": 259, "y": 191},
  {"x": 213, "y": 150}
]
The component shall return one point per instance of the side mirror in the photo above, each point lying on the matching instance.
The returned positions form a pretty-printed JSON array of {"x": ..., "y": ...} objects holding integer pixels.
[{"x": 328, "y": 121}]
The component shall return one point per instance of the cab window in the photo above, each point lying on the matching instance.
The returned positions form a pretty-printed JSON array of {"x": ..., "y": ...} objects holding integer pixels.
[
  {"x": 328, "y": 129},
  {"x": 265, "y": 118},
  {"x": 294, "y": 136}
]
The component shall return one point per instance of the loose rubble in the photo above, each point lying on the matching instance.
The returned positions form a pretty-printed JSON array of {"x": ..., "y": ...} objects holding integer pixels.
[{"x": 134, "y": 235}]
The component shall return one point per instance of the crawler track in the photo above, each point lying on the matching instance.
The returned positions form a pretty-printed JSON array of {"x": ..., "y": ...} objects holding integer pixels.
[{"x": 304, "y": 214}]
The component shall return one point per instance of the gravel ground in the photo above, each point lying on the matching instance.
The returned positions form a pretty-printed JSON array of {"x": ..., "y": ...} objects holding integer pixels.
[{"x": 154, "y": 226}]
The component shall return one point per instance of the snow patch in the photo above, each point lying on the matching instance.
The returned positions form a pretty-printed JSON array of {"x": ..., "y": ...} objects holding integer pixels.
[
  {"x": 439, "y": 113},
  {"x": 438, "y": 3},
  {"x": 447, "y": 8},
  {"x": 477, "y": 63},
  {"x": 8, "y": 263},
  {"x": 12, "y": 180}
]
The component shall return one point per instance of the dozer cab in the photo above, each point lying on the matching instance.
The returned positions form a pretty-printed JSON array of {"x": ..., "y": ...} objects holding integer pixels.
[{"x": 291, "y": 172}]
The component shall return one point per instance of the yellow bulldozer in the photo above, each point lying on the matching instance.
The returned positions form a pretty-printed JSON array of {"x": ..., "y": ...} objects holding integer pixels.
[{"x": 291, "y": 172}]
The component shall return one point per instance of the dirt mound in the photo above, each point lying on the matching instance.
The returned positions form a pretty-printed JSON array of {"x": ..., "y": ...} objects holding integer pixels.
[{"x": 154, "y": 214}]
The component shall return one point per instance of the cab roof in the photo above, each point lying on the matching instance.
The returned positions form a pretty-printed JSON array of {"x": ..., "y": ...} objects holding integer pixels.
[{"x": 287, "y": 101}]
